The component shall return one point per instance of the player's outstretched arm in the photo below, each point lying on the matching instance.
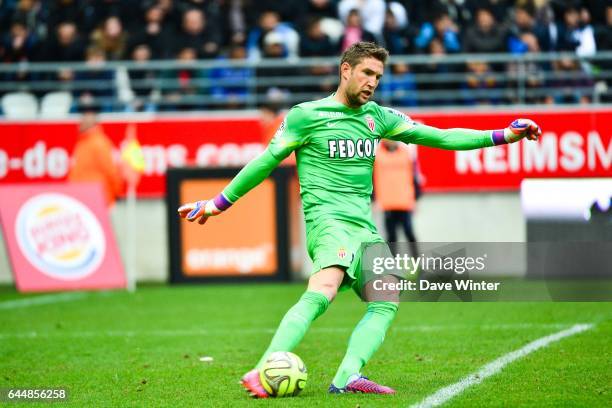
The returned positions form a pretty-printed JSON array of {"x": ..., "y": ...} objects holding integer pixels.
[
  {"x": 250, "y": 176},
  {"x": 468, "y": 139},
  {"x": 405, "y": 130},
  {"x": 289, "y": 137}
]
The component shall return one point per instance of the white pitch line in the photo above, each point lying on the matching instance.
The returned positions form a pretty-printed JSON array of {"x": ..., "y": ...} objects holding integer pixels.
[
  {"x": 41, "y": 300},
  {"x": 445, "y": 394},
  {"x": 219, "y": 331}
]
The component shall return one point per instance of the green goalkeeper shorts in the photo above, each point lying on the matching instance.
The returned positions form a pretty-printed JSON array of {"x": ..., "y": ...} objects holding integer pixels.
[{"x": 340, "y": 243}]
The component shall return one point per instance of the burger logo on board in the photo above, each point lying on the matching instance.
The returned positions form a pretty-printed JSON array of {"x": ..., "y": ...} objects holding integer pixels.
[{"x": 60, "y": 236}]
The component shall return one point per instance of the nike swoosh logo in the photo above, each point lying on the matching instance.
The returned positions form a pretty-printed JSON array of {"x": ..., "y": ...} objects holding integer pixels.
[{"x": 331, "y": 124}]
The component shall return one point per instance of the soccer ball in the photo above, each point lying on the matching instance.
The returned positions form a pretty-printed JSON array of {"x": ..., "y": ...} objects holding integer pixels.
[{"x": 283, "y": 374}]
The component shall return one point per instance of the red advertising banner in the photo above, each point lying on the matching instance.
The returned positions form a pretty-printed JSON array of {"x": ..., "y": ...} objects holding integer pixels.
[
  {"x": 40, "y": 151},
  {"x": 576, "y": 143},
  {"x": 59, "y": 237}
]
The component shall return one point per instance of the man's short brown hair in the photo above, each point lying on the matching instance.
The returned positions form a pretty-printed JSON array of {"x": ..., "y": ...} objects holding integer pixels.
[{"x": 358, "y": 51}]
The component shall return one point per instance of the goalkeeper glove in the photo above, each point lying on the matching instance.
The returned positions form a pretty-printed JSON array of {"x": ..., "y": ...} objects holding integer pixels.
[
  {"x": 517, "y": 130},
  {"x": 201, "y": 210}
]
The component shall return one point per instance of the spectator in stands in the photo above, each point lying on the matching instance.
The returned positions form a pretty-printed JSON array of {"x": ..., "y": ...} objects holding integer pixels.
[
  {"x": 576, "y": 34},
  {"x": 236, "y": 27},
  {"x": 371, "y": 12},
  {"x": 19, "y": 44},
  {"x": 570, "y": 84},
  {"x": 524, "y": 22},
  {"x": 527, "y": 36},
  {"x": 396, "y": 33},
  {"x": 181, "y": 85},
  {"x": 96, "y": 86},
  {"x": 215, "y": 16},
  {"x": 548, "y": 29},
  {"x": 315, "y": 43},
  {"x": 487, "y": 36},
  {"x": 62, "y": 30},
  {"x": 269, "y": 22},
  {"x": 65, "y": 45},
  {"x": 354, "y": 31},
  {"x": 34, "y": 15},
  {"x": 155, "y": 33},
  {"x": 443, "y": 29},
  {"x": 274, "y": 48},
  {"x": 142, "y": 80},
  {"x": 231, "y": 83},
  {"x": 399, "y": 88},
  {"x": 603, "y": 32},
  {"x": 531, "y": 73},
  {"x": 199, "y": 35},
  {"x": 111, "y": 39},
  {"x": 480, "y": 86},
  {"x": 437, "y": 70}
]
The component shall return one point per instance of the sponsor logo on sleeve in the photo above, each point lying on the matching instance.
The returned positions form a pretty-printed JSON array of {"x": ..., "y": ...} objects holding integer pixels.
[{"x": 404, "y": 117}]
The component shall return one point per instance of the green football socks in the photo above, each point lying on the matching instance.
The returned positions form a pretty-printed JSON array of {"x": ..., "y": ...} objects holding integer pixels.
[
  {"x": 296, "y": 322},
  {"x": 365, "y": 340}
]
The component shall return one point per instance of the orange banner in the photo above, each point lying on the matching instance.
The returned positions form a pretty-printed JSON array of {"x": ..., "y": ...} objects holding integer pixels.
[{"x": 244, "y": 242}]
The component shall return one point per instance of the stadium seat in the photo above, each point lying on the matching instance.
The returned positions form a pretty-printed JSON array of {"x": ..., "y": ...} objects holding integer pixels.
[
  {"x": 55, "y": 105},
  {"x": 19, "y": 105}
]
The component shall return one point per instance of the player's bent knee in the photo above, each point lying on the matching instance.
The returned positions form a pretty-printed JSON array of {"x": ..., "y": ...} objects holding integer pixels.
[
  {"x": 326, "y": 281},
  {"x": 328, "y": 290}
]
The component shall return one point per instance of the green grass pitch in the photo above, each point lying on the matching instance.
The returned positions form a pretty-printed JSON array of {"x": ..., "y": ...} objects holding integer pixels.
[{"x": 144, "y": 349}]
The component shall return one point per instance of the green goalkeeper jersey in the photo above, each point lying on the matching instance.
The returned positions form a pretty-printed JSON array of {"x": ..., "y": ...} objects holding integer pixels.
[{"x": 335, "y": 147}]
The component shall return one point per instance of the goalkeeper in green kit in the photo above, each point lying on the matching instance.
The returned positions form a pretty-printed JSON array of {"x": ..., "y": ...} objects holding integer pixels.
[{"x": 335, "y": 140}]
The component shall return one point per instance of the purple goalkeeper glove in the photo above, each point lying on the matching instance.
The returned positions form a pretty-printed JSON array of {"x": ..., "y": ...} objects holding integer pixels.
[
  {"x": 517, "y": 130},
  {"x": 201, "y": 210}
]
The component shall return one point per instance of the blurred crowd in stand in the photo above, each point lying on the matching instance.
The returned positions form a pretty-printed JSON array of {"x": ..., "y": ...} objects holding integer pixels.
[{"x": 96, "y": 31}]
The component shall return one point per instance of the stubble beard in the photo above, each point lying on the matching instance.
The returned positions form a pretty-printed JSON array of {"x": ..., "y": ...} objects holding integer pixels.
[{"x": 353, "y": 99}]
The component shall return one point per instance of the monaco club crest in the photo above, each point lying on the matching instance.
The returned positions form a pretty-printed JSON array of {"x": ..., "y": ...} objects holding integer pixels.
[{"x": 371, "y": 124}]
